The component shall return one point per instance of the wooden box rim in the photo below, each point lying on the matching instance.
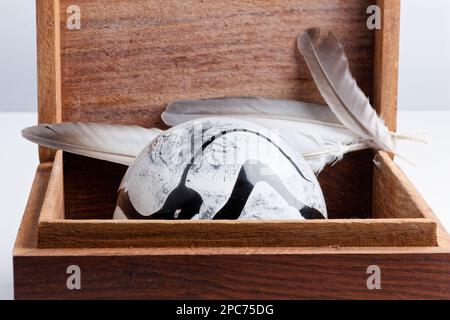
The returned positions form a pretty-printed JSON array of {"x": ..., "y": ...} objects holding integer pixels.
[
  {"x": 39, "y": 206},
  {"x": 54, "y": 231}
]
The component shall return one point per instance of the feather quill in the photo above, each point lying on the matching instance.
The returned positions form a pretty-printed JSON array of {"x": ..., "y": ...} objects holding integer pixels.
[
  {"x": 109, "y": 142},
  {"x": 329, "y": 67}
]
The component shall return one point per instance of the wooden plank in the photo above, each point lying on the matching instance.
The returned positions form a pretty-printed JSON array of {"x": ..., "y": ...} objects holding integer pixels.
[
  {"x": 27, "y": 234},
  {"x": 48, "y": 67},
  {"x": 53, "y": 206},
  {"x": 227, "y": 276},
  {"x": 387, "y": 41},
  {"x": 131, "y": 58},
  {"x": 336, "y": 233}
]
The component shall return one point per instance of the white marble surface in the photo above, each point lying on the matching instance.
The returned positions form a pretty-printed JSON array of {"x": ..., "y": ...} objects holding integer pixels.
[{"x": 18, "y": 160}]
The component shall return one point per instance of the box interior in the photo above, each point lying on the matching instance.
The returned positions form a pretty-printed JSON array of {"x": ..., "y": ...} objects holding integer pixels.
[
  {"x": 400, "y": 217},
  {"x": 90, "y": 187}
]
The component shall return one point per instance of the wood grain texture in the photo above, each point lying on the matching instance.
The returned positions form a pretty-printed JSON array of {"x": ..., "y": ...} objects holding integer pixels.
[
  {"x": 48, "y": 67},
  {"x": 53, "y": 206},
  {"x": 337, "y": 233},
  {"x": 28, "y": 231},
  {"x": 131, "y": 58},
  {"x": 206, "y": 273},
  {"x": 265, "y": 276},
  {"x": 387, "y": 41},
  {"x": 265, "y": 273}
]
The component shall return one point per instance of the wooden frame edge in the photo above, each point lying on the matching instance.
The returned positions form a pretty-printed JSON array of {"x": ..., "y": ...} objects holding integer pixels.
[
  {"x": 48, "y": 67},
  {"x": 159, "y": 234},
  {"x": 27, "y": 234},
  {"x": 387, "y": 52},
  {"x": 53, "y": 205}
]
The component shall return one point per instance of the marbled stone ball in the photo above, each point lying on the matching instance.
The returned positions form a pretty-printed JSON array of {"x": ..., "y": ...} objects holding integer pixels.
[{"x": 220, "y": 169}]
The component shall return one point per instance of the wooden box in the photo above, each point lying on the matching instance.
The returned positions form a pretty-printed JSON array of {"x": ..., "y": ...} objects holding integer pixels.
[{"x": 124, "y": 64}]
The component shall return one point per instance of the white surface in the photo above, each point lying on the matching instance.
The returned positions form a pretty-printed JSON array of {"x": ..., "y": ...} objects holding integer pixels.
[
  {"x": 18, "y": 162},
  {"x": 424, "y": 57},
  {"x": 430, "y": 172}
]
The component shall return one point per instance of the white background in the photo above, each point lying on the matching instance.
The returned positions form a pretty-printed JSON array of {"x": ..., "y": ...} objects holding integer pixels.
[
  {"x": 424, "y": 82},
  {"x": 424, "y": 87},
  {"x": 18, "y": 55}
]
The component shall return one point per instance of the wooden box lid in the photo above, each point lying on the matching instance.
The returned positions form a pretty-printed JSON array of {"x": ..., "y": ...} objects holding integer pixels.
[{"x": 130, "y": 59}]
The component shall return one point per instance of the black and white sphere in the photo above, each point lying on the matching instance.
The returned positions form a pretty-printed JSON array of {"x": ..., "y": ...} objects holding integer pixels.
[{"x": 220, "y": 169}]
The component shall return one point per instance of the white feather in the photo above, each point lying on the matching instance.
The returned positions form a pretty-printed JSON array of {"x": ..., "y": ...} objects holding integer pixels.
[
  {"x": 329, "y": 67},
  {"x": 249, "y": 107},
  {"x": 114, "y": 143},
  {"x": 122, "y": 144},
  {"x": 311, "y": 129}
]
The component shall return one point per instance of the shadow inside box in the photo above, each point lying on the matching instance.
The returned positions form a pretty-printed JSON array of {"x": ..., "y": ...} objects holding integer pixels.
[{"x": 90, "y": 187}]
